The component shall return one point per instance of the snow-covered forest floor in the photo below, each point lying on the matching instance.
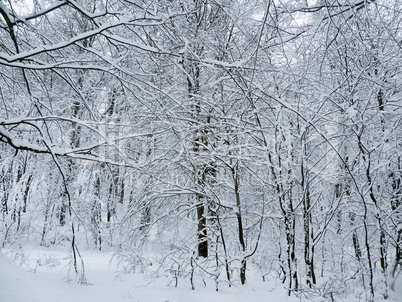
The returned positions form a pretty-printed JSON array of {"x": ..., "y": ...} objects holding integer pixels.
[
  {"x": 44, "y": 275},
  {"x": 200, "y": 143}
]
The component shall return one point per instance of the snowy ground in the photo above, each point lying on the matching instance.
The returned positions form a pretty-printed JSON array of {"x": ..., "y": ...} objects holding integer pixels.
[{"x": 42, "y": 275}]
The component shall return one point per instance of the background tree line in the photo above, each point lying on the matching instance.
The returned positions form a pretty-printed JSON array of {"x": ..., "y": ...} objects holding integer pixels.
[{"x": 210, "y": 137}]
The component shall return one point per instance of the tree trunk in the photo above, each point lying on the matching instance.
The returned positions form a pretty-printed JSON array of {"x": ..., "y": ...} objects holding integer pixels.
[
  {"x": 202, "y": 228},
  {"x": 236, "y": 180}
]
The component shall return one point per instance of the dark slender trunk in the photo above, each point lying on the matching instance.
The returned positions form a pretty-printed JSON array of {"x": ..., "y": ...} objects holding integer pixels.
[
  {"x": 202, "y": 228},
  {"x": 308, "y": 231},
  {"x": 396, "y": 203},
  {"x": 236, "y": 180},
  {"x": 289, "y": 221},
  {"x": 355, "y": 238},
  {"x": 366, "y": 158},
  {"x": 25, "y": 197},
  {"x": 308, "y": 242},
  {"x": 225, "y": 250}
]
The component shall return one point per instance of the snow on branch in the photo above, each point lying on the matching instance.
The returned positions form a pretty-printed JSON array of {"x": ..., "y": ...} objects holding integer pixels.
[
  {"x": 20, "y": 19},
  {"x": 91, "y": 33}
]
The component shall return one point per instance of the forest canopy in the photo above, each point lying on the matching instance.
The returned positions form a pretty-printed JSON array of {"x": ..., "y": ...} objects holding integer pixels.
[{"x": 207, "y": 137}]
